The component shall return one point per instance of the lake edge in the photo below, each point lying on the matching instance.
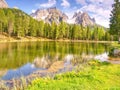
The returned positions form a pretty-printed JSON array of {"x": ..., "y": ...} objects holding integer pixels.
[{"x": 34, "y": 39}]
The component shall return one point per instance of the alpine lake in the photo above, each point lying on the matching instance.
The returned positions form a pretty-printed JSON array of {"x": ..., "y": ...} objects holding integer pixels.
[{"x": 19, "y": 59}]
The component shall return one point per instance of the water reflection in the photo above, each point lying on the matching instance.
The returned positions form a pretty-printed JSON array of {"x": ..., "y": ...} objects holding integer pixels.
[
  {"x": 22, "y": 71},
  {"x": 44, "y": 65},
  {"x": 68, "y": 59},
  {"x": 41, "y": 64},
  {"x": 32, "y": 56},
  {"x": 102, "y": 57}
]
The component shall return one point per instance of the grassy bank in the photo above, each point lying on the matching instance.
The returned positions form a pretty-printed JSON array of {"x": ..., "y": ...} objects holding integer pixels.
[
  {"x": 4, "y": 38},
  {"x": 94, "y": 76},
  {"x": 22, "y": 39},
  {"x": 115, "y": 44}
]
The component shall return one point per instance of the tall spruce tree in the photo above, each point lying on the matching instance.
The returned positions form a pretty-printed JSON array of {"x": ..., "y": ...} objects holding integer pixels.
[
  {"x": 10, "y": 16},
  {"x": 2, "y": 21},
  {"x": 115, "y": 19}
]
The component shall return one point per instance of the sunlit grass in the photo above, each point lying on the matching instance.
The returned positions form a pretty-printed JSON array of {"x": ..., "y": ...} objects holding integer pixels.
[
  {"x": 94, "y": 76},
  {"x": 116, "y": 44}
]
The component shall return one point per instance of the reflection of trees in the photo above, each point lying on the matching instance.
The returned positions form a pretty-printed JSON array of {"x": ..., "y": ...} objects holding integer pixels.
[{"x": 14, "y": 55}]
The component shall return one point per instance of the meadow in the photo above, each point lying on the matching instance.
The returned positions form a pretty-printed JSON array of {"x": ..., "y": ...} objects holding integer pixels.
[{"x": 94, "y": 75}]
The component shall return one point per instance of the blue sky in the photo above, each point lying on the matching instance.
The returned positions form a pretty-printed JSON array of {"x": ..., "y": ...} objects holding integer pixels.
[{"x": 98, "y": 9}]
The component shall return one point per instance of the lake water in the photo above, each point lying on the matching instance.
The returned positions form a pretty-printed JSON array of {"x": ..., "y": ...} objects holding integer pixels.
[{"x": 24, "y": 58}]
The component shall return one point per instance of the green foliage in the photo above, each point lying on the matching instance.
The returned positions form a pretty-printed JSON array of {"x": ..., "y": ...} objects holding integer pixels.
[
  {"x": 14, "y": 22},
  {"x": 115, "y": 18},
  {"x": 114, "y": 46},
  {"x": 96, "y": 76},
  {"x": 111, "y": 51}
]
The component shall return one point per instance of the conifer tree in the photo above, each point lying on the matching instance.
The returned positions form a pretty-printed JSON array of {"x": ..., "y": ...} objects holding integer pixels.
[
  {"x": 115, "y": 19},
  {"x": 10, "y": 16},
  {"x": 2, "y": 20}
]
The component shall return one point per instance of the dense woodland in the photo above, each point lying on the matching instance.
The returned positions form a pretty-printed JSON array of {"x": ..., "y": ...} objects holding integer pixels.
[{"x": 16, "y": 23}]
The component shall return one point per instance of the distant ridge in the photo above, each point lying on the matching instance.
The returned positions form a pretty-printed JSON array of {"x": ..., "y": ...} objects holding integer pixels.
[
  {"x": 55, "y": 15},
  {"x": 50, "y": 15},
  {"x": 3, "y": 4},
  {"x": 82, "y": 18}
]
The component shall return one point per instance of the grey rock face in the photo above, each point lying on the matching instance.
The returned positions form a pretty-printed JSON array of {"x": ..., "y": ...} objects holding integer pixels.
[
  {"x": 55, "y": 15},
  {"x": 49, "y": 15},
  {"x": 3, "y": 4},
  {"x": 116, "y": 52},
  {"x": 84, "y": 19}
]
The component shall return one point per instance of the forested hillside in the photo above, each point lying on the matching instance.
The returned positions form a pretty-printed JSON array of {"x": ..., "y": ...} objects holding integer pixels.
[{"x": 16, "y": 23}]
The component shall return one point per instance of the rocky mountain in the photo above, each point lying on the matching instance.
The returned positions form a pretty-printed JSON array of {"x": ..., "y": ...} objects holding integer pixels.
[
  {"x": 49, "y": 15},
  {"x": 82, "y": 18},
  {"x": 54, "y": 14},
  {"x": 3, "y": 4}
]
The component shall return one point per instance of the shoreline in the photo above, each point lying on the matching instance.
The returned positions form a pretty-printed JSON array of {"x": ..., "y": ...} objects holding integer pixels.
[
  {"x": 37, "y": 75},
  {"x": 35, "y": 39}
]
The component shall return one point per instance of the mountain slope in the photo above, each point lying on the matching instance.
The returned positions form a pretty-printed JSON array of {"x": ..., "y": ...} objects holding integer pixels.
[
  {"x": 82, "y": 18},
  {"x": 49, "y": 15},
  {"x": 3, "y": 4},
  {"x": 53, "y": 14},
  {"x": 15, "y": 22}
]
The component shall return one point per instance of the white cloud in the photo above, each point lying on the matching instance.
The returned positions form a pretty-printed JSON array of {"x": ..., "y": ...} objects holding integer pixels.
[
  {"x": 50, "y": 3},
  {"x": 101, "y": 20},
  {"x": 65, "y": 3},
  {"x": 100, "y": 10},
  {"x": 33, "y": 11},
  {"x": 96, "y": 10},
  {"x": 82, "y": 2},
  {"x": 15, "y": 7},
  {"x": 70, "y": 12}
]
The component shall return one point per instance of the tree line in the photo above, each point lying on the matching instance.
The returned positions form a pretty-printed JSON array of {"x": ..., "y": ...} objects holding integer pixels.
[{"x": 16, "y": 23}]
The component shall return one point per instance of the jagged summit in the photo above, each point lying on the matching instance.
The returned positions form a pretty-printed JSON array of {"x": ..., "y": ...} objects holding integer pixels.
[
  {"x": 49, "y": 15},
  {"x": 53, "y": 14},
  {"x": 82, "y": 18},
  {"x": 3, "y": 4}
]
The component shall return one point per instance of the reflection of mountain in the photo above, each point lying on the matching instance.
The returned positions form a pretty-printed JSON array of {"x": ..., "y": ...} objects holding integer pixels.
[
  {"x": 43, "y": 62},
  {"x": 42, "y": 65},
  {"x": 47, "y": 62},
  {"x": 46, "y": 65},
  {"x": 27, "y": 52}
]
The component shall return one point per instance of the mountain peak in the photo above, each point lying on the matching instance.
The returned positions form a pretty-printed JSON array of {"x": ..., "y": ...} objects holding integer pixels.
[
  {"x": 3, "y": 4},
  {"x": 55, "y": 15},
  {"x": 76, "y": 14},
  {"x": 83, "y": 18},
  {"x": 50, "y": 15},
  {"x": 52, "y": 8}
]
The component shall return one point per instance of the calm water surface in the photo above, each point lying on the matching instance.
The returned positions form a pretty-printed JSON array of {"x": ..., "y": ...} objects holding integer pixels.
[{"x": 24, "y": 58}]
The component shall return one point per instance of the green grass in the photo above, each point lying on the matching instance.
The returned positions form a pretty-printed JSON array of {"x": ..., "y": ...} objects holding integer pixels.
[
  {"x": 94, "y": 76},
  {"x": 115, "y": 44}
]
